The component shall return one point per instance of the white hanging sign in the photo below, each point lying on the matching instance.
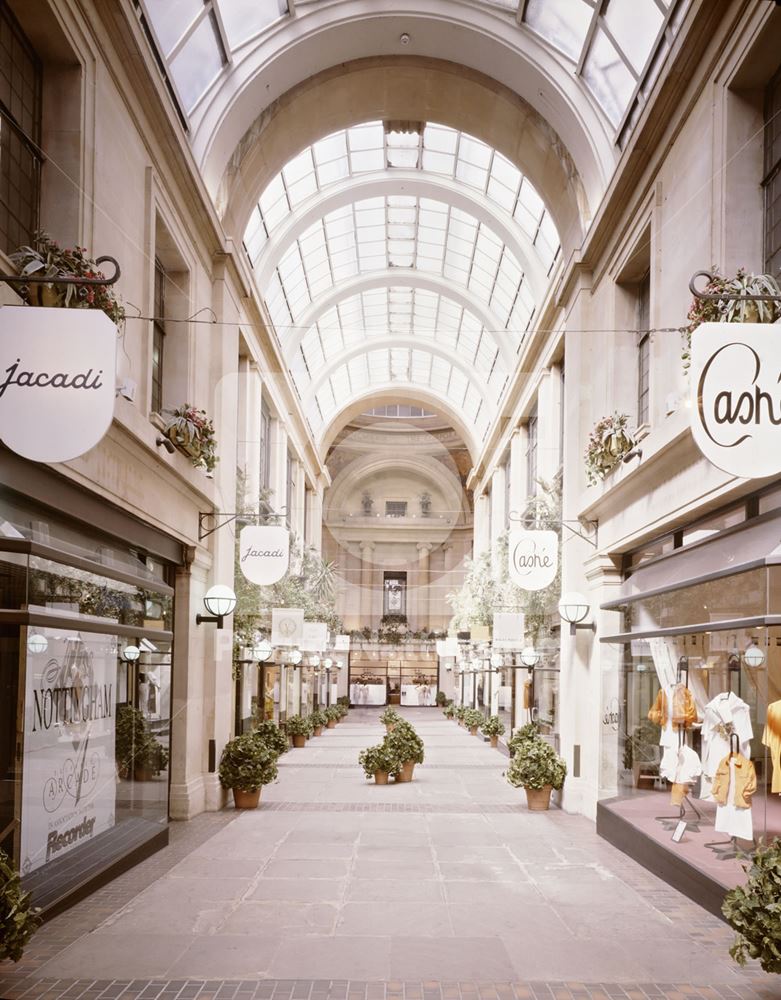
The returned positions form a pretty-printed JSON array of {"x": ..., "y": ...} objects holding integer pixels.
[
  {"x": 533, "y": 558},
  {"x": 315, "y": 637},
  {"x": 264, "y": 553},
  {"x": 736, "y": 397},
  {"x": 57, "y": 380},
  {"x": 287, "y": 626},
  {"x": 508, "y": 630}
]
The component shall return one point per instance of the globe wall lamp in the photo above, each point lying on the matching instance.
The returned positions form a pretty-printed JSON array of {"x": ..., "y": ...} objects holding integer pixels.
[
  {"x": 754, "y": 656},
  {"x": 328, "y": 663},
  {"x": 315, "y": 660},
  {"x": 37, "y": 643},
  {"x": 131, "y": 653},
  {"x": 295, "y": 656},
  {"x": 497, "y": 660},
  {"x": 219, "y": 602},
  {"x": 530, "y": 657},
  {"x": 339, "y": 664},
  {"x": 574, "y": 609},
  {"x": 261, "y": 650}
]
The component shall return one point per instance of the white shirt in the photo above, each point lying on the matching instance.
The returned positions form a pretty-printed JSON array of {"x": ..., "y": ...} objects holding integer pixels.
[
  {"x": 724, "y": 712},
  {"x": 682, "y": 766}
]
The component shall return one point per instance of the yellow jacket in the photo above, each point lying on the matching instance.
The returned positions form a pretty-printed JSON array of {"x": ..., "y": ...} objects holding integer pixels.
[
  {"x": 745, "y": 782},
  {"x": 684, "y": 709}
]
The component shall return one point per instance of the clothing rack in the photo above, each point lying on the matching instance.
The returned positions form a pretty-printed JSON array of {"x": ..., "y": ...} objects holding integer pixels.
[{"x": 728, "y": 850}]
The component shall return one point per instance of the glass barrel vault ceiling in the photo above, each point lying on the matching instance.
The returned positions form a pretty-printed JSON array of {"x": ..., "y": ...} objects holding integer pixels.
[{"x": 615, "y": 47}]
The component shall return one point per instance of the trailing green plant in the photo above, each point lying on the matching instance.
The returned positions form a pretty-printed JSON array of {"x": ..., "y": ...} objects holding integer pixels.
[
  {"x": 247, "y": 763},
  {"x": 531, "y": 731},
  {"x": 192, "y": 432},
  {"x": 269, "y": 733},
  {"x": 493, "y": 726},
  {"x": 404, "y": 743},
  {"x": 535, "y": 765},
  {"x": 19, "y": 919},
  {"x": 379, "y": 758},
  {"x": 473, "y": 718},
  {"x": 730, "y": 310},
  {"x": 754, "y": 910},
  {"x": 47, "y": 259},
  {"x": 608, "y": 442},
  {"x": 318, "y": 718},
  {"x": 299, "y": 725},
  {"x": 390, "y": 716},
  {"x": 332, "y": 713}
]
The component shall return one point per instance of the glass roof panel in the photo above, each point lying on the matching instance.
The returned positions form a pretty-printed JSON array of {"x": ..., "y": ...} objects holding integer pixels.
[
  {"x": 608, "y": 77},
  {"x": 563, "y": 23},
  {"x": 623, "y": 21},
  {"x": 245, "y": 18},
  {"x": 171, "y": 19},
  {"x": 198, "y": 62}
]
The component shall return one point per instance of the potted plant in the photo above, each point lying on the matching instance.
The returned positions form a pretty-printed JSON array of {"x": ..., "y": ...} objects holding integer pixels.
[
  {"x": 299, "y": 728},
  {"x": 48, "y": 260},
  {"x": 530, "y": 731},
  {"x": 318, "y": 720},
  {"x": 18, "y": 917},
  {"x": 730, "y": 310},
  {"x": 608, "y": 442},
  {"x": 405, "y": 746},
  {"x": 131, "y": 735},
  {"x": 246, "y": 765},
  {"x": 150, "y": 759},
  {"x": 460, "y": 713},
  {"x": 332, "y": 715},
  {"x": 425, "y": 504},
  {"x": 752, "y": 910},
  {"x": 269, "y": 733},
  {"x": 192, "y": 432},
  {"x": 442, "y": 699},
  {"x": 389, "y": 718},
  {"x": 642, "y": 755},
  {"x": 449, "y": 711},
  {"x": 472, "y": 719},
  {"x": 493, "y": 728},
  {"x": 379, "y": 762},
  {"x": 367, "y": 502},
  {"x": 344, "y": 701},
  {"x": 538, "y": 768}
]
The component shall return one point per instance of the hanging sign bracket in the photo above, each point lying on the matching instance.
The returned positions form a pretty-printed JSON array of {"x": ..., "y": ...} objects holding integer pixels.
[
  {"x": 721, "y": 296},
  {"x": 534, "y": 524},
  {"x": 56, "y": 279},
  {"x": 211, "y": 521}
]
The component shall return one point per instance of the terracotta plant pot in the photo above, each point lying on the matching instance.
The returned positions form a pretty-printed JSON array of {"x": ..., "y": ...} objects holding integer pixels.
[
  {"x": 299, "y": 741},
  {"x": 538, "y": 799},
  {"x": 381, "y": 777},
  {"x": 318, "y": 730},
  {"x": 473, "y": 730},
  {"x": 389, "y": 727},
  {"x": 494, "y": 741},
  {"x": 143, "y": 774},
  {"x": 406, "y": 771},
  {"x": 331, "y": 724},
  {"x": 246, "y": 800}
]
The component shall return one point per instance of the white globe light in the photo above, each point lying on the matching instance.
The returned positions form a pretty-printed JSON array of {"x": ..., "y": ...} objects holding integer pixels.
[
  {"x": 754, "y": 656},
  {"x": 37, "y": 643},
  {"x": 573, "y": 608},
  {"x": 296, "y": 656},
  {"x": 219, "y": 600},
  {"x": 131, "y": 653},
  {"x": 476, "y": 665},
  {"x": 261, "y": 650},
  {"x": 315, "y": 660},
  {"x": 339, "y": 664},
  {"x": 328, "y": 663},
  {"x": 497, "y": 660},
  {"x": 529, "y": 656}
]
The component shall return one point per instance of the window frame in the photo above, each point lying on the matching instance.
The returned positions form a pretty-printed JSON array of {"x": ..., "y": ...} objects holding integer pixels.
[
  {"x": 771, "y": 182},
  {"x": 532, "y": 441},
  {"x": 158, "y": 338}
]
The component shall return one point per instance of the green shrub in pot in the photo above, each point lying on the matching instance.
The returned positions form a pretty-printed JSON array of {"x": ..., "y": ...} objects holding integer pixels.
[
  {"x": 442, "y": 699},
  {"x": 246, "y": 765},
  {"x": 472, "y": 719},
  {"x": 380, "y": 760},
  {"x": 531, "y": 731},
  {"x": 493, "y": 728},
  {"x": 333, "y": 715},
  {"x": 390, "y": 717},
  {"x": 405, "y": 743},
  {"x": 343, "y": 700},
  {"x": 461, "y": 712},
  {"x": 449, "y": 711},
  {"x": 298, "y": 725},
  {"x": 18, "y": 917},
  {"x": 754, "y": 910},
  {"x": 538, "y": 769},
  {"x": 343, "y": 710},
  {"x": 132, "y": 734},
  {"x": 269, "y": 733},
  {"x": 318, "y": 719}
]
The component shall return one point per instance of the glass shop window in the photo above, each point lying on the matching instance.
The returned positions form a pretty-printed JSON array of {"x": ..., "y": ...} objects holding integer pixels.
[{"x": 772, "y": 179}]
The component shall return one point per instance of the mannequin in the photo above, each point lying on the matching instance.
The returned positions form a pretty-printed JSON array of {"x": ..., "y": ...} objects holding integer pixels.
[{"x": 771, "y": 738}]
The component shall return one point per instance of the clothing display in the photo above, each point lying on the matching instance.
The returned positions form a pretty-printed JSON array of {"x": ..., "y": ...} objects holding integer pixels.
[
  {"x": 771, "y": 738},
  {"x": 733, "y": 785},
  {"x": 724, "y": 715},
  {"x": 681, "y": 767},
  {"x": 684, "y": 711}
]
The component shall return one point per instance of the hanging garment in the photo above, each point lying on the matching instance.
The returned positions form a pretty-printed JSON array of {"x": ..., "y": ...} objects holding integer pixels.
[
  {"x": 682, "y": 767},
  {"x": 771, "y": 738},
  {"x": 684, "y": 711},
  {"x": 725, "y": 714},
  {"x": 734, "y": 784},
  {"x": 527, "y": 694}
]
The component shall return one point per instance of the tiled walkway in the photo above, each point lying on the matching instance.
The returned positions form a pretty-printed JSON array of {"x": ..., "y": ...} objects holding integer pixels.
[{"x": 337, "y": 889}]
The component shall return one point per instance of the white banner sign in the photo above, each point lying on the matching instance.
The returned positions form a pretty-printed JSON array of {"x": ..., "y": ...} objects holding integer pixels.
[
  {"x": 534, "y": 558},
  {"x": 315, "y": 637},
  {"x": 57, "y": 380},
  {"x": 736, "y": 399},
  {"x": 287, "y": 626},
  {"x": 342, "y": 643},
  {"x": 508, "y": 630},
  {"x": 69, "y": 774},
  {"x": 447, "y": 647},
  {"x": 264, "y": 553}
]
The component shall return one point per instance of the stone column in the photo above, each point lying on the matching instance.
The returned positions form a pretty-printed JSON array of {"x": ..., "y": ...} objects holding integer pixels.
[
  {"x": 298, "y": 499},
  {"x": 549, "y": 424},
  {"x": 248, "y": 425},
  {"x": 424, "y": 559},
  {"x": 518, "y": 486},
  {"x": 278, "y": 471},
  {"x": 498, "y": 514},
  {"x": 367, "y": 569},
  {"x": 482, "y": 525}
]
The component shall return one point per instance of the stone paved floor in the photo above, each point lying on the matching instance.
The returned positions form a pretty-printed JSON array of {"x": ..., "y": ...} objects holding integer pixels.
[{"x": 336, "y": 889}]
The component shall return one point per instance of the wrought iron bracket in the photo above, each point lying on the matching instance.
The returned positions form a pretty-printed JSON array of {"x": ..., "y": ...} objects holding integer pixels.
[
  {"x": 517, "y": 518},
  {"x": 720, "y": 296},
  {"x": 38, "y": 279},
  {"x": 211, "y": 521}
]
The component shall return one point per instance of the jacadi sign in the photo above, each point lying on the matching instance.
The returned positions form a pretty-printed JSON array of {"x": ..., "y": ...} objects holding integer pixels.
[
  {"x": 57, "y": 379},
  {"x": 736, "y": 396},
  {"x": 264, "y": 553}
]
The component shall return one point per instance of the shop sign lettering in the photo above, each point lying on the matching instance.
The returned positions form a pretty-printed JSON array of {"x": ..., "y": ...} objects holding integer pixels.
[
  {"x": 264, "y": 553},
  {"x": 534, "y": 558},
  {"x": 57, "y": 379},
  {"x": 736, "y": 397}
]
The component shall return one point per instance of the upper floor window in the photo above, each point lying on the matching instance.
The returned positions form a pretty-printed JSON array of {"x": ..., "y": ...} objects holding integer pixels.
[
  {"x": 531, "y": 454},
  {"x": 290, "y": 490},
  {"x": 20, "y": 134},
  {"x": 772, "y": 181},
  {"x": 158, "y": 338},
  {"x": 265, "y": 448},
  {"x": 644, "y": 351},
  {"x": 395, "y": 508}
]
